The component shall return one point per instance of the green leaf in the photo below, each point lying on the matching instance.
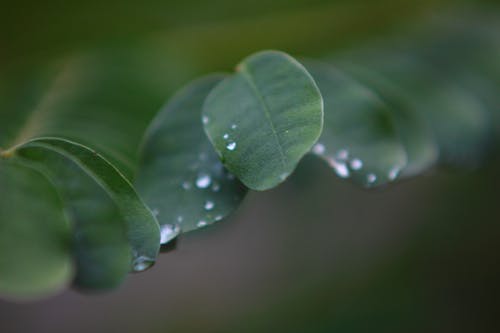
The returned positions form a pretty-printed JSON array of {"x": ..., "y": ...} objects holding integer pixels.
[
  {"x": 459, "y": 122},
  {"x": 359, "y": 139},
  {"x": 264, "y": 118},
  {"x": 103, "y": 99},
  {"x": 111, "y": 223},
  {"x": 413, "y": 130},
  {"x": 180, "y": 176},
  {"x": 35, "y": 258}
]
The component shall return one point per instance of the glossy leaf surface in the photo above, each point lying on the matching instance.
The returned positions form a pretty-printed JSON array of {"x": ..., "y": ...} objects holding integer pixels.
[
  {"x": 180, "y": 176},
  {"x": 264, "y": 118}
]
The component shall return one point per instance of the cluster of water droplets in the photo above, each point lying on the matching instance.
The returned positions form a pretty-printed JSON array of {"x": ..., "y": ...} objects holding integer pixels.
[
  {"x": 344, "y": 165},
  {"x": 230, "y": 143},
  {"x": 208, "y": 175}
]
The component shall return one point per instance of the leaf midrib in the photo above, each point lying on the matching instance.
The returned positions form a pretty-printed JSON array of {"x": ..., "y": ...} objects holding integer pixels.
[{"x": 265, "y": 108}]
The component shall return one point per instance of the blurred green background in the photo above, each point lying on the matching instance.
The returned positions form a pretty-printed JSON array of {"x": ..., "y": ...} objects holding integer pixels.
[{"x": 314, "y": 255}]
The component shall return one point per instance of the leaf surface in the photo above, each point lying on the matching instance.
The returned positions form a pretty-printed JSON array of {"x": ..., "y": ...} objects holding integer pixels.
[
  {"x": 264, "y": 118},
  {"x": 180, "y": 176},
  {"x": 359, "y": 139}
]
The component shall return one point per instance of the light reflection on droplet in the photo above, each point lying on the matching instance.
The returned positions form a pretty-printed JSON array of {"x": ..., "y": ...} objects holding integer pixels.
[
  {"x": 201, "y": 223},
  {"x": 342, "y": 154},
  {"x": 319, "y": 148},
  {"x": 393, "y": 173},
  {"x": 205, "y": 119},
  {"x": 142, "y": 263},
  {"x": 180, "y": 218},
  {"x": 371, "y": 178},
  {"x": 231, "y": 146},
  {"x": 226, "y": 136},
  {"x": 203, "y": 181},
  {"x": 340, "y": 168},
  {"x": 234, "y": 126},
  {"x": 218, "y": 217},
  {"x": 168, "y": 232},
  {"x": 356, "y": 164},
  {"x": 155, "y": 212},
  {"x": 209, "y": 205}
]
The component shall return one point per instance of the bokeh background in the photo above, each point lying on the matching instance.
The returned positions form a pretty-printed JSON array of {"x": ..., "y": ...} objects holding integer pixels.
[{"x": 317, "y": 254}]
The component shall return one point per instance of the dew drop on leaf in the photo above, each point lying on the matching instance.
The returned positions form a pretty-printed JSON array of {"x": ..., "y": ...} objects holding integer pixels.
[
  {"x": 393, "y": 173},
  {"x": 209, "y": 205},
  {"x": 168, "y": 232},
  {"x": 231, "y": 146},
  {"x": 342, "y": 154},
  {"x": 319, "y": 149},
  {"x": 340, "y": 168},
  {"x": 371, "y": 178},
  {"x": 142, "y": 263},
  {"x": 356, "y": 164},
  {"x": 203, "y": 180}
]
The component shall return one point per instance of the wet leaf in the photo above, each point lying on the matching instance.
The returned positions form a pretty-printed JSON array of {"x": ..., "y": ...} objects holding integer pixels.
[
  {"x": 264, "y": 118},
  {"x": 412, "y": 128},
  {"x": 114, "y": 232},
  {"x": 359, "y": 139},
  {"x": 180, "y": 176}
]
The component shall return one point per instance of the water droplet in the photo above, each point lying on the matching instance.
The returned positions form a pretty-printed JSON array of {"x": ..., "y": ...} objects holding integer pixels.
[
  {"x": 218, "y": 217},
  {"x": 340, "y": 168},
  {"x": 205, "y": 119},
  {"x": 203, "y": 180},
  {"x": 186, "y": 185},
  {"x": 356, "y": 164},
  {"x": 233, "y": 126},
  {"x": 342, "y": 154},
  {"x": 209, "y": 205},
  {"x": 371, "y": 178},
  {"x": 226, "y": 136},
  {"x": 319, "y": 148},
  {"x": 180, "y": 218},
  {"x": 393, "y": 173},
  {"x": 168, "y": 232},
  {"x": 142, "y": 263},
  {"x": 201, "y": 223},
  {"x": 231, "y": 146},
  {"x": 215, "y": 187}
]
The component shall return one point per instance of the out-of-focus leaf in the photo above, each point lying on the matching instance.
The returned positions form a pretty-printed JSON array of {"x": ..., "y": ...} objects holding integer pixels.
[
  {"x": 35, "y": 257},
  {"x": 458, "y": 120},
  {"x": 180, "y": 176},
  {"x": 412, "y": 129},
  {"x": 111, "y": 223},
  {"x": 103, "y": 99},
  {"x": 263, "y": 119},
  {"x": 359, "y": 139}
]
